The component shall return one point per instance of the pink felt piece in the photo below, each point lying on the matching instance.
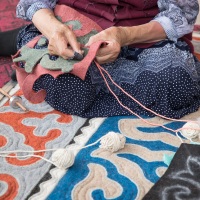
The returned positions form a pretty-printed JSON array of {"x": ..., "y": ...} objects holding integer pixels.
[
  {"x": 80, "y": 68},
  {"x": 67, "y": 14}
]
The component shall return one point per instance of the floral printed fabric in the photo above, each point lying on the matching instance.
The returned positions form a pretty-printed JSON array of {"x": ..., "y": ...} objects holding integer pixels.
[{"x": 176, "y": 17}]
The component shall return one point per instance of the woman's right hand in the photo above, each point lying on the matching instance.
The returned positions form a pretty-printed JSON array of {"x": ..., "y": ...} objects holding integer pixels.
[{"x": 62, "y": 40}]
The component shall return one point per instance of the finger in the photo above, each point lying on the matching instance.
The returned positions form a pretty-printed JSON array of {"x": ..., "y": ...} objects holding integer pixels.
[
  {"x": 93, "y": 39},
  {"x": 90, "y": 41},
  {"x": 107, "y": 48},
  {"x": 50, "y": 51},
  {"x": 102, "y": 60},
  {"x": 72, "y": 40},
  {"x": 108, "y": 53},
  {"x": 63, "y": 49},
  {"x": 103, "y": 51},
  {"x": 67, "y": 53},
  {"x": 105, "y": 59}
]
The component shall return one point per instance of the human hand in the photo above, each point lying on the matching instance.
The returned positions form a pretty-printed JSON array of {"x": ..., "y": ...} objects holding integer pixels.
[
  {"x": 63, "y": 42},
  {"x": 110, "y": 49},
  {"x": 116, "y": 37}
]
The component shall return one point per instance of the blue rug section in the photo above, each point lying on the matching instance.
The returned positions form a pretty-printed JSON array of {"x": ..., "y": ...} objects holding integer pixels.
[{"x": 79, "y": 171}]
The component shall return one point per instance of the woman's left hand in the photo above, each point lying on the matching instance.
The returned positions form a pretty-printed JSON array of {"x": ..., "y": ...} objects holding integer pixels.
[{"x": 109, "y": 50}]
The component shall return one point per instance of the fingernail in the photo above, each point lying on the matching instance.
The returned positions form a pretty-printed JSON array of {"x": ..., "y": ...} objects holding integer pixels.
[{"x": 78, "y": 56}]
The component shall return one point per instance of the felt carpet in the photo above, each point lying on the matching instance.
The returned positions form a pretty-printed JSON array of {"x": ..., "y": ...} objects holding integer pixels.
[
  {"x": 8, "y": 21},
  {"x": 127, "y": 174},
  {"x": 40, "y": 128}
]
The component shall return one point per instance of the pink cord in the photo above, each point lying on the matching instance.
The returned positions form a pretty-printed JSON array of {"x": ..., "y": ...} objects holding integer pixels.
[{"x": 150, "y": 123}]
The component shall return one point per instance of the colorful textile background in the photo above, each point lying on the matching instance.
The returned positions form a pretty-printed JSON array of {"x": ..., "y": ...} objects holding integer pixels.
[{"x": 127, "y": 174}]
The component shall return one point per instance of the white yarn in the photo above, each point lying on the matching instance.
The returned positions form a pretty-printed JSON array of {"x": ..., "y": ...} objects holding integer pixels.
[
  {"x": 189, "y": 131},
  {"x": 63, "y": 158},
  {"x": 112, "y": 141},
  {"x": 179, "y": 137}
]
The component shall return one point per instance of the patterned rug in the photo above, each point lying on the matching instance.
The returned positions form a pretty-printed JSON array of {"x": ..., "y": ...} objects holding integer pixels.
[
  {"x": 8, "y": 21},
  {"x": 97, "y": 173},
  {"x": 127, "y": 174}
]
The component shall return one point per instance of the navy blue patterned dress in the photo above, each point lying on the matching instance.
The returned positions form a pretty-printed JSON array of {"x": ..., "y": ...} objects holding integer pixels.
[{"x": 164, "y": 78}]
